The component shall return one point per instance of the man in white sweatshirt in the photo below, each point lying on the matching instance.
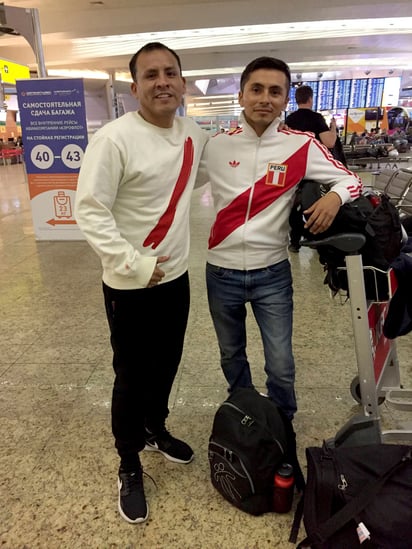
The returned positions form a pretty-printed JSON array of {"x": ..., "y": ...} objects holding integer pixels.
[
  {"x": 132, "y": 204},
  {"x": 253, "y": 175}
]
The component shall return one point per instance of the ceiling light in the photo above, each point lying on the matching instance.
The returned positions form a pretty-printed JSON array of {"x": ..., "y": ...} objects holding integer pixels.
[
  {"x": 104, "y": 46},
  {"x": 73, "y": 73}
]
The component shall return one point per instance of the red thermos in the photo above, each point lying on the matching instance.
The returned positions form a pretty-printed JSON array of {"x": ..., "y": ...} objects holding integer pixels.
[{"x": 283, "y": 489}]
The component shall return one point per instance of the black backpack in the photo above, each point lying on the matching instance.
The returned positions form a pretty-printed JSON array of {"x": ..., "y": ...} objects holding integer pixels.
[
  {"x": 356, "y": 493},
  {"x": 251, "y": 437},
  {"x": 381, "y": 226}
]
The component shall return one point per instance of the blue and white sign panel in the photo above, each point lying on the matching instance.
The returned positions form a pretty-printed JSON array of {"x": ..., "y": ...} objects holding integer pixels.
[{"x": 54, "y": 130}]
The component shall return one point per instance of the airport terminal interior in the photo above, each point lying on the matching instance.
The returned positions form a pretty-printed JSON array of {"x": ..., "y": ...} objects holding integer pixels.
[{"x": 58, "y": 482}]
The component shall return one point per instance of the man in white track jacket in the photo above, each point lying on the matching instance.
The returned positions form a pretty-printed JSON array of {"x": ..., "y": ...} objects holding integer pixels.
[
  {"x": 253, "y": 174},
  {"x": 132, "y": 204}
]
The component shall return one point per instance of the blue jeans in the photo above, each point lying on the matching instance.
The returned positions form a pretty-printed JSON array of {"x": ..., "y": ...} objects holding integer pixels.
[{"x": 269, "y": 292}]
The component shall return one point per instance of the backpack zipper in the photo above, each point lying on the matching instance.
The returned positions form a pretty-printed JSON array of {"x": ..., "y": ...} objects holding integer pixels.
[{"x": 250, "y": 421}]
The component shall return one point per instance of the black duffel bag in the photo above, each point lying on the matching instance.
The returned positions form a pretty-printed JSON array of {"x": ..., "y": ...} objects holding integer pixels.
[{"x": 357, "y": 497}]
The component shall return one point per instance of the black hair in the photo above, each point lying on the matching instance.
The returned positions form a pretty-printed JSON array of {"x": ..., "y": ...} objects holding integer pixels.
[
  {"x": 270, "y": 63},
  {"x": 303, "y": 94},
  {"x": 151, "y": 46}
]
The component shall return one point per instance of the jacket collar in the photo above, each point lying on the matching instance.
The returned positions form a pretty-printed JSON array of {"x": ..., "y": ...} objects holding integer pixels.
[{"x": 270, "y": 130}]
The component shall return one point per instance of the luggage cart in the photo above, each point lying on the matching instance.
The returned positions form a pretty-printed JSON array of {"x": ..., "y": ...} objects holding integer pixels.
[{"x": 378, "y": 376}]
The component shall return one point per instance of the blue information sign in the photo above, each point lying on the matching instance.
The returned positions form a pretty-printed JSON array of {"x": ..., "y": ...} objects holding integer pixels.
[
  {"x": 54, "y": 131},
  {"x": 53, "y": 121}
]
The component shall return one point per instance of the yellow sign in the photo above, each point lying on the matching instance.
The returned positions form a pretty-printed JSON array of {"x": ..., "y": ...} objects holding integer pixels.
[{"x": 10, "y": 71}]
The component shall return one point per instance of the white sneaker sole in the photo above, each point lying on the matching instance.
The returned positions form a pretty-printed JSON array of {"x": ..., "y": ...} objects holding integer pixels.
[{"x": 125, "y": 517}]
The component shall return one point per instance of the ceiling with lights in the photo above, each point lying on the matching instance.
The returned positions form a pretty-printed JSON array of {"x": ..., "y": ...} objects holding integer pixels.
[{"x": 216, "y": 39}]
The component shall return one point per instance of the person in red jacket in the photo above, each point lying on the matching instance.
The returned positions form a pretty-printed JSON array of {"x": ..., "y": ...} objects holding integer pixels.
[{"x": 253, "y": 176}]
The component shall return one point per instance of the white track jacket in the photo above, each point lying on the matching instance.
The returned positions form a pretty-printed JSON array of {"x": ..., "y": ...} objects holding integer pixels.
[{"x": 253, "y": 181}]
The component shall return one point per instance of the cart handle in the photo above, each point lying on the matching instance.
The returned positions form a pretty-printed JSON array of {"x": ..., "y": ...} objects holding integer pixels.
[{"x": 350, "y": 243}]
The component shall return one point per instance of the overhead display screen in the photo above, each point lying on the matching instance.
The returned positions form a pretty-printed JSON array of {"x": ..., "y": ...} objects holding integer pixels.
[
  {"x": 391, "y": 91},
  {"x": 292, "y": 105},
  {"x": 358, "y": 93},
  {"x": 374, "y": 92},
  {"x": 326, "y": 94},
  {"x": 342, "y": 94},
  {"x": 314, "y": 84}
]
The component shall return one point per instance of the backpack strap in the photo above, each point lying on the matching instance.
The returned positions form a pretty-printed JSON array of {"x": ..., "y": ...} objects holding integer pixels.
[
  {"x": 328, "y": 477},
  {"x": 354, "y": 507},
  {"x": 297, "y": 519}
]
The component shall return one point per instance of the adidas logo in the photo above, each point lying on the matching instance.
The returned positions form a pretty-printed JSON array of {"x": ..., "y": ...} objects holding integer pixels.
[{"x": 234, "y": 163}]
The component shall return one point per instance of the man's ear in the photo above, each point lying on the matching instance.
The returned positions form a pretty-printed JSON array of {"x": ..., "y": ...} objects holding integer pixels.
[
  {"x": 134, "y": 89},
  {"x": 240, "y": 99}
]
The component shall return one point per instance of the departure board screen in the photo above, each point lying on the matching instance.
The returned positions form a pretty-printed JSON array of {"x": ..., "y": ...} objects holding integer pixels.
[
  {"x": 375, "y": 92},
  {"x": 358, "y": 93},
  {"x": 391, "y": 91},
  {"x": 314, "y": 84},
  {"x": 292, "y": 105},
  {"x": 326, "y": 93},
  {"x": 342, "y": 94}
]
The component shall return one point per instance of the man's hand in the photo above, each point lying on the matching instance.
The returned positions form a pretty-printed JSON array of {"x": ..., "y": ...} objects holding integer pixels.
[
  {"x": 321, "y": 214},
  {"x": 158, "y": 273}
]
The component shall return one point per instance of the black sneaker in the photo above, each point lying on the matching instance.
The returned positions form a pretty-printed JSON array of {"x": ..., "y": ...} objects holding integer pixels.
[
  {"x": 172, "y": 448},
  {"x": 132, "y": 501}
]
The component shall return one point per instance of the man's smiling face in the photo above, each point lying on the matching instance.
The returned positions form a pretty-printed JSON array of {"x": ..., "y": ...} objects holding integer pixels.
[
  {"x": 159, "y": 87},
  {"x": 264, "y": 97}
]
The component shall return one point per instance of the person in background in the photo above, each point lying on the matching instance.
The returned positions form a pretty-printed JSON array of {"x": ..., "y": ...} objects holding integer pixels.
[
  {"x": 253, "y": 176},
  {"x": 354, "y": 139},
  {"x": 306, "y": 119},
  {"x": 132, "y": 204}
]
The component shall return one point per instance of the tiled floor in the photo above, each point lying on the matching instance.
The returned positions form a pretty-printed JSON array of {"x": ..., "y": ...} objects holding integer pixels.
[{"x": 57, "y": 461}]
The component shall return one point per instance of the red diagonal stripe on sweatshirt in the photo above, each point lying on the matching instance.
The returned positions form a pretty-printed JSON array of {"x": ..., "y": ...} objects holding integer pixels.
[
  {"x": 158, "y": 233},
  {"x": 234, "y": 214}
]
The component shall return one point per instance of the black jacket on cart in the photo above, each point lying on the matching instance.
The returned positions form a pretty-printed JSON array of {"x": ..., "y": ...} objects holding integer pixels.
[{"x": 398, "y": 321}]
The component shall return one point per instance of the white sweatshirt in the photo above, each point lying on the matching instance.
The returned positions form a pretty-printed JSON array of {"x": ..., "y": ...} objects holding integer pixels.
[
  {"x": 133, "y": 197},
  {"x": 253, "y": 182}
]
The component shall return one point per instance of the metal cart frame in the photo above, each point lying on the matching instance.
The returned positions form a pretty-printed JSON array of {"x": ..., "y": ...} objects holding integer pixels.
[{"x": 378, "y": 366}]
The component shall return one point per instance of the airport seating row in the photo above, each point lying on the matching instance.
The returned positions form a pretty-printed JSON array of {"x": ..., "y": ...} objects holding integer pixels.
[{"x": 397, "y": 184}]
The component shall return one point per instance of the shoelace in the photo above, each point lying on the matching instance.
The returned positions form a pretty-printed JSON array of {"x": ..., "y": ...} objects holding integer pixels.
[
  {"x": 132, "y": 480},
  {"x": 151, "y": 478}
]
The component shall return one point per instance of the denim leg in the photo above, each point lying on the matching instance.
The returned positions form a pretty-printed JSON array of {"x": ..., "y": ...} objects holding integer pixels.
[
  {"x": 226, "y": 295},
  {"x": 270, "y": 293}
]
